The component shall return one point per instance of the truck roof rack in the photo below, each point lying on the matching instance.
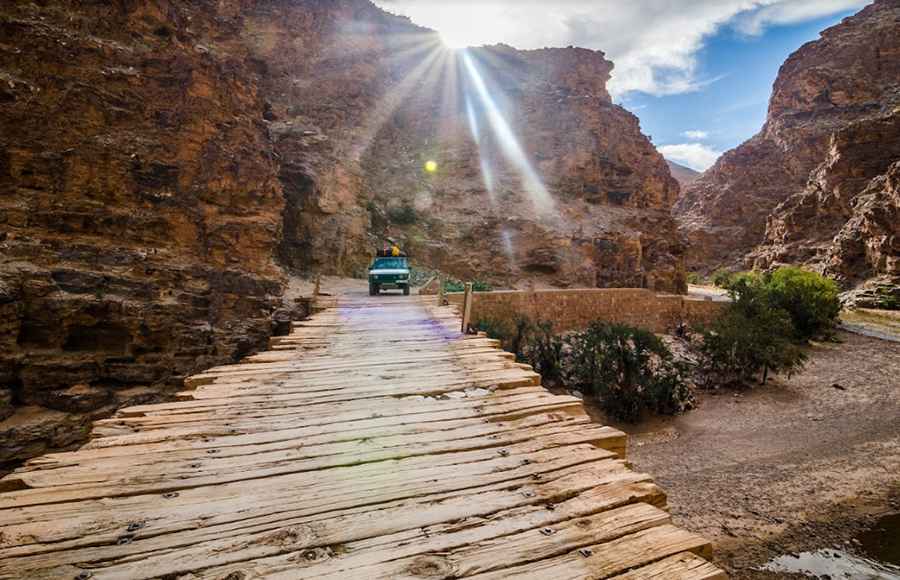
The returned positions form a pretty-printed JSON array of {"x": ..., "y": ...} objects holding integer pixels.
[{"x": 387, "y": 254}]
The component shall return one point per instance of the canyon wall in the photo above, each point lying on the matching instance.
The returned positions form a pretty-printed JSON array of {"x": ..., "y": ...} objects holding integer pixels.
[
  {"x": 140, "y": 211},
  {"x": 165, "y": 165},
  {"x": 793, "y": 186},
  {"x": 360, "y": 101},
  {"x": 846, "y": 222}
]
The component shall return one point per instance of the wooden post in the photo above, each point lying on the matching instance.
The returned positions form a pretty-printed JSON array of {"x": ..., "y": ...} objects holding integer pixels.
[
  {"x": 467, "y": 308},
  {"x": 318, "y": 284},
  {"x": 440, "y": 290}
]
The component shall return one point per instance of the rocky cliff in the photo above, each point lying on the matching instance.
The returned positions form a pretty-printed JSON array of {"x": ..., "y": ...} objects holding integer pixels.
[
  {"x": 846, "y": 222},
  {"x": 537, "y": 176},
  {"x": 683, "y": 175},
  {"x": 140, "y": 211},
  {"x": 850, "y": 76},
  {"x": 163, "y": 164}
]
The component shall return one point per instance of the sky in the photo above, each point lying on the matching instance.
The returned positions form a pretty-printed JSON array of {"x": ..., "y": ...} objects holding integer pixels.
[{"x": 698, "y": 73}]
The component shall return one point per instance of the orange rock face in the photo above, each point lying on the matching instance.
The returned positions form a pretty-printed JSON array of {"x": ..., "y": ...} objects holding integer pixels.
[
  {"x": 141, "y": 208},
  {"x": 164, "y": 164},
  {"x": 850, "y": 75}
]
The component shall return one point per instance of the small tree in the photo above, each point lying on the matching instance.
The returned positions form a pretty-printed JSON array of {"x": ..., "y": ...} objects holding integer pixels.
[
  {"x": 628, "y": 370},
  {"x": 810, "y": 299},
  {"x": 751, "y": 338}
]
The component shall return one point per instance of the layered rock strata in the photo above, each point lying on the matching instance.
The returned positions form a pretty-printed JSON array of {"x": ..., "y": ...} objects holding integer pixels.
[{"x": 140, "y": 209}]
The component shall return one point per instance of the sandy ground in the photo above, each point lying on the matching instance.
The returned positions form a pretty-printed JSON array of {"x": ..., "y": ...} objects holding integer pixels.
[{"x": 800, "y": 464}]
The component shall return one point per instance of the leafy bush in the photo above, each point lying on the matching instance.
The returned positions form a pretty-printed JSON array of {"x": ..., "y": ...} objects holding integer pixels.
[
  {"x": 452, "y": 285},
  {"x": 403, "y": 215},
  {"x": 810, "y": 299},
  {"x": 513, "y": 336},
  {"x": 887, "y": 301},
  {"x": 694, "y": 278},
  {"x": 544, "y": 352},
  {"x": 493, "y": 328},
  {"x": 754, "y": 335},
  {"x": 722, "y": 278},
  {"x": 628, "y": 369}
]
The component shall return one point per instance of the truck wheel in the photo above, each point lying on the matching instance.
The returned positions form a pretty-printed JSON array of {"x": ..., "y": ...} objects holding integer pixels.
[
  {"x": 406, "y": 290},
  {"x": 371, "y": 290},
  {"x": 377, "y": 290}
]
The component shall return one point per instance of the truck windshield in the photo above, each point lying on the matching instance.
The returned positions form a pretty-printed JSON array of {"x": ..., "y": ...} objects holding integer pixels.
[{"x": 389, "y": 264}]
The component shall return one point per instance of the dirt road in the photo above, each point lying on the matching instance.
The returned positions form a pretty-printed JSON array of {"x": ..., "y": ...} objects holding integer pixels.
[{"x": 800, "y": 464}]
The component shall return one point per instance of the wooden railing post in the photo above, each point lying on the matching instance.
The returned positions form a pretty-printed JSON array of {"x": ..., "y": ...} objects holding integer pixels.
[
  {"x": 467, "y": 308},
  {"x": 440, "y": 290},
  {"x": 318, "y": 285}
]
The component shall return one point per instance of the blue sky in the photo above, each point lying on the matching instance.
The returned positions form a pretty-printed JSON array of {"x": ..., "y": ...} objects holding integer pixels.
[
  {"x": 732, "y": 108},
  {"x": 699, "y": 66}
]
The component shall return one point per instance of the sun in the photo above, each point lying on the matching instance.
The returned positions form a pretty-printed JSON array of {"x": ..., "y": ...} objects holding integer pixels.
[
  {"x": 431, "y": 166},
  {"x": 455, "y": 38}
]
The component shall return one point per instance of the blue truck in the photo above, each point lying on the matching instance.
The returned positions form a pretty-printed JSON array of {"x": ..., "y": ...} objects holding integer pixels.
[{"x": 389, "y": 272}]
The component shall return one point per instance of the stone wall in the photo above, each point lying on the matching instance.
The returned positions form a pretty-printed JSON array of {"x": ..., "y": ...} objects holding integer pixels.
[{"x": 576, "y": 309}]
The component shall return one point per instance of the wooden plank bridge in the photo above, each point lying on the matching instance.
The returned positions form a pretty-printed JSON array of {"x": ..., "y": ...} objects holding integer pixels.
[{"x": 374, "y": 442}]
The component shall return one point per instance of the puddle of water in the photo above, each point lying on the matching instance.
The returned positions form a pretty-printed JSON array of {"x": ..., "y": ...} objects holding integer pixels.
[
  {"x": 881, "y": 544},
  {"x": 833, "y": 564}
]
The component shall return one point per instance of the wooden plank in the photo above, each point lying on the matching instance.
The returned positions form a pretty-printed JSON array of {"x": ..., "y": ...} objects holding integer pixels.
[
  {"x": 684, "y": 566},
  {"x": 606, "y": 559},
  {"x": 223, "y": 519}
]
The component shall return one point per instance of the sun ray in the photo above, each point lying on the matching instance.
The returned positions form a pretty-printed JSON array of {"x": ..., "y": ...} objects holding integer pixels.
[
  {"x": 391, "y": 101},
  {"x": 509, "y": 144},
  {"x": 449, "y": 108}
]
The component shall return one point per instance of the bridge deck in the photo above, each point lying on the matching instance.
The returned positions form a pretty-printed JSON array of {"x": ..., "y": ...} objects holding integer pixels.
[{"x": 374, "y": 442}]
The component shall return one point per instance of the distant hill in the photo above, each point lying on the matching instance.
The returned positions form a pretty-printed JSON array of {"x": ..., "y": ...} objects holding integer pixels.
[{"x": 684, "y": 175}]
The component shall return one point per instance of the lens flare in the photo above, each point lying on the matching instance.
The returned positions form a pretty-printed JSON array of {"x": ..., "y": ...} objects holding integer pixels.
[{"x": 431, "y": 166}]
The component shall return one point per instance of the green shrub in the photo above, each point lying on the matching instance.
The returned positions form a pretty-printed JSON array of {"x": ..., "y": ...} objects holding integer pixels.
[
  {"x": 513, "y": 336},
  {"x": 722, "y": 278},
  {"x": 694, "y": 278},
  {"x": 493, "y": 328},
  {"x": 628, "y": 369},
  {"x": 543, "y": 351},
  {"x": 810, "y": 299},
  {"x": 454, "y": 286},
  {"x": 752, "y": 337},
  {"x": 451, "y": 285},
  {"x": 887, "y": 301}
]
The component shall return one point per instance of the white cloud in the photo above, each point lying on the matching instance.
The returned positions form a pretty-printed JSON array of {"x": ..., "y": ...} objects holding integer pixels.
[
  {"x": 696, "y": 135},
  {"x": 697, "y": 156},
  {"x": 653, "y": 43},
  {"x": 755, "y": 22}
]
